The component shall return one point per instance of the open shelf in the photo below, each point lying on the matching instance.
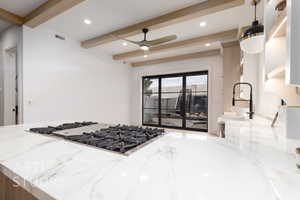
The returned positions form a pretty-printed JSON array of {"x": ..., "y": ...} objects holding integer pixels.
[
  {"x": 279, "y": 29},
  {"x": 278, "y": 72},
  {"x": 272, "y": 1}
]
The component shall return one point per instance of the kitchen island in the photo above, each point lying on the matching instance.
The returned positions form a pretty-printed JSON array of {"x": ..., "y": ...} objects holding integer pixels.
[{"x": 254, "y": 162}]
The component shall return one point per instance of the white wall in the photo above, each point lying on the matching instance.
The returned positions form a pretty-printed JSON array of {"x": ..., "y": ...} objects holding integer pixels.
[
  {"x": 267, "y": 102},
  {"x": 231, "y": 72},
  {"x": 250, "y": 75},
  {"x": 10, "y": 38},
  {"x": 63, "y": 81},
  {"x": 214, "y": 66}
]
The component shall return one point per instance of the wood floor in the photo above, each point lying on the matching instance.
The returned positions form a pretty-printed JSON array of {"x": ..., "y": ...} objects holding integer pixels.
[{"x": 9, "y": 191}]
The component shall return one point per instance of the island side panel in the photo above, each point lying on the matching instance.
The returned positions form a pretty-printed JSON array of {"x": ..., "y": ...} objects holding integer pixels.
[
  {"x": 8, "y": 191},
  {"x": 2, "y": 186}
]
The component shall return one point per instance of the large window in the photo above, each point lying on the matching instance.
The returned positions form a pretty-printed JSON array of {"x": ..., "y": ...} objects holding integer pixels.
[{"x": 176, "y": 100}]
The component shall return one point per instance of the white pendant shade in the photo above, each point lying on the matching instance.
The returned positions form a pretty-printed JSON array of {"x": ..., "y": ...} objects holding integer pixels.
[
  {"x": 253, "y": 45},
  {"x": 253, "y": 39},
  {"x": 144, "y": 48}
]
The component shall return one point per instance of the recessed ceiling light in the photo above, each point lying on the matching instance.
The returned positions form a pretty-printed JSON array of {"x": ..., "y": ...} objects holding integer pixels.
[
  {"x": 144, "y": 178},
  {"x": 124, "y": 174},
  {"x": 203, "y": 24},
  {"x": 145, "y": 56},
  {"x": 144, "y": 48},
  {"x": 125, "y": 44},
  {"x": 87, "y": 21},
  {"x": 208, "y": 44}
]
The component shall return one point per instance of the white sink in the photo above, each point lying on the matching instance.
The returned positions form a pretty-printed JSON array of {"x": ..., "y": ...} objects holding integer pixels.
[{"x": 232, "y": 116}]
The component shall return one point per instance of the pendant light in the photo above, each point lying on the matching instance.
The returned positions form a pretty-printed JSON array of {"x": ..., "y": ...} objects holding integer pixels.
[{"x": 253, "y": 39}]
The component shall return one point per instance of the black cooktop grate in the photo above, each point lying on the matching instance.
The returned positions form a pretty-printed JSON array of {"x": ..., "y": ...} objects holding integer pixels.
[
  {"x": 65, "y": 126},
  {"x": 121, "y": 138}
]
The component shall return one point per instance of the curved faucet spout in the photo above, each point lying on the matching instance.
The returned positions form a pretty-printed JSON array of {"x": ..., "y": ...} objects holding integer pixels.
[{"x": 250, "y": 99}]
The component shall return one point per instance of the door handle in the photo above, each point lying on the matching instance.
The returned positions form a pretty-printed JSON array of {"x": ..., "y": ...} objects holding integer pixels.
[{"x": 15, "y": 109}]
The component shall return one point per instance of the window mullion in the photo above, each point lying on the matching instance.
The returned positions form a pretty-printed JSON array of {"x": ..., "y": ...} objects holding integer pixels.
[
  {"x": 183, "y": 102},
  {"x": 159, "y": 101}
]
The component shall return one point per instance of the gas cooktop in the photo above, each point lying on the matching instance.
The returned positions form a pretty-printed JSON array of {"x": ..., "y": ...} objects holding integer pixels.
[
  {"x": 53, "y": 129},
  {"x": 117, "y": 138}
]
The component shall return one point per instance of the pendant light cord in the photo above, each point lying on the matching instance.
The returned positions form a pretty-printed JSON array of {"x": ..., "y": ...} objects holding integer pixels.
[{"x": 255, "y": 10}]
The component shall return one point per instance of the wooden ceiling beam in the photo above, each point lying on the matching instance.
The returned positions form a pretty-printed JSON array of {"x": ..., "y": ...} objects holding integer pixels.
[
  {"x": 184, "y": 14},
  {"x": 230, "y": 44},
  {"x": 11, "y": 17},
  {"x": 177, "y": 58},
  {"x": 216, "y": 37},
  {"x": 49, "y": 10}
]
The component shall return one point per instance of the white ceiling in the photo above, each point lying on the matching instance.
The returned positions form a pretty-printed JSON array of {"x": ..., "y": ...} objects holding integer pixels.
[
  {"x": 18, "y": 7},
  {"x": 175, "y": 52},
  {"x": 21, "y": 7},
  {"x": 109, "y": 15},
  {"x": 218, "y": 22},
  {"x": 3, "y": 25}
]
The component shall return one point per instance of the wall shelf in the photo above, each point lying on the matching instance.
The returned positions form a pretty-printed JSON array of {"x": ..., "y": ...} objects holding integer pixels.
[
  {"x": 278, "y": 72},
  {"x": 279, "y": 29},
  {"x": 272, "y": 1}
]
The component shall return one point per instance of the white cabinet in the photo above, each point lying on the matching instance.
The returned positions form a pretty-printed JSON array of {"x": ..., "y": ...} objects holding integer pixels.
[
  {"x": 276, "y": 48},
  {"x": 283, "y": 41},
  {"x": 292, "y": 120},
  {"x": 282, "y": 64},
  {"x": 293, "y": 42}
]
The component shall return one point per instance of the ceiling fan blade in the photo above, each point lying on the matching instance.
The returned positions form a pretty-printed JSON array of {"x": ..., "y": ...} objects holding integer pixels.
[
  {"x": 160, "y": 41},
  {"x": 131, "y": 41}
]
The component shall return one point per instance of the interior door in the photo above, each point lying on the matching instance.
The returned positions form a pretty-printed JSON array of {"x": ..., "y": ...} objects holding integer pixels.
[{"x": 11, "y": 88}]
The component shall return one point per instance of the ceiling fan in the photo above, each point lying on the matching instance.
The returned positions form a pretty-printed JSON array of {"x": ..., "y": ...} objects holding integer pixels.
[{"x": 146, "y": 44}]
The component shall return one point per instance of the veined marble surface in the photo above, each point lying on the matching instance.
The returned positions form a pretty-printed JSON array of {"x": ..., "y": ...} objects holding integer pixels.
[{"x": 178, "y": 166}]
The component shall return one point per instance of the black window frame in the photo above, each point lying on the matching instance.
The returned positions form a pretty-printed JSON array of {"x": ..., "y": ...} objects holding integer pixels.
[{"x": 183, "y": 75}]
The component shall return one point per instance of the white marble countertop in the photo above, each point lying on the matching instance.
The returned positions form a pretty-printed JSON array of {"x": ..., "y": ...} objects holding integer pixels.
[
  {"x": 176, "y": 167},
  {"x": 270, "y": 149}
]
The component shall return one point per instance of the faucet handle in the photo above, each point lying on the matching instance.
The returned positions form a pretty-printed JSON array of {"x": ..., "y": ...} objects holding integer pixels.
[{"x": 250, "y": 114}]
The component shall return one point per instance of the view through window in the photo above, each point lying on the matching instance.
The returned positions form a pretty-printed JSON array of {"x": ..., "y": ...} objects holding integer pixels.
[{"x": 176, "y": 100}]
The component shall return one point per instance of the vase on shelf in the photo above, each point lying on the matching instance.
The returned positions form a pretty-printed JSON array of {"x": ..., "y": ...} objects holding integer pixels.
[
  {"x": 280, "y": 8},
  {"x": 298, "y": 157}
]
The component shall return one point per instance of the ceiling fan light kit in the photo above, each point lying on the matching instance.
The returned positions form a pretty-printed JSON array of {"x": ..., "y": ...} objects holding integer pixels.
[
  {"x": 145, "y": 44},
  {"x": 144, "y": 48},
  {"x": 253, "y": 39}
]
